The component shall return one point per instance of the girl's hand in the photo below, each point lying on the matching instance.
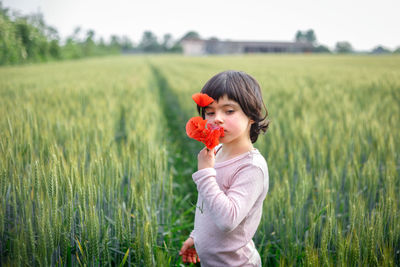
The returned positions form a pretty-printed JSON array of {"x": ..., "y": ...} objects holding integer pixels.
[
  {"x": 206, "y": 158},
  {"x": 188, "y": 253}
]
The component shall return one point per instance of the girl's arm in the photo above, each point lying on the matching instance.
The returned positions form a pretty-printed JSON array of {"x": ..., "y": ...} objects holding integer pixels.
[{"x": 230, "y": 208}]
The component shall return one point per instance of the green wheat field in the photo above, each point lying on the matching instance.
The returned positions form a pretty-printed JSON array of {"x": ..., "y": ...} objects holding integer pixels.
[{"x": 95, "y": 165}]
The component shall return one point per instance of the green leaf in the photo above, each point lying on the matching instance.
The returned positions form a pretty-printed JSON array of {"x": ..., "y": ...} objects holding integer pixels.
[{"x": 124, "y": 259}]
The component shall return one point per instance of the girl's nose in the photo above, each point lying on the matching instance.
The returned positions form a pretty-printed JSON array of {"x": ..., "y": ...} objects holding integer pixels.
[{"x": 218, "y": 118}]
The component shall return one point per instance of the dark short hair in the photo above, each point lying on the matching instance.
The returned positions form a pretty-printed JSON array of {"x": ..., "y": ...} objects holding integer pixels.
[{"x": 243, "y": 89}]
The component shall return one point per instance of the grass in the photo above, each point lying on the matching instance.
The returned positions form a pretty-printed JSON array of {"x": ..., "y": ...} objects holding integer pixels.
[{"x": 96, "y": 168}]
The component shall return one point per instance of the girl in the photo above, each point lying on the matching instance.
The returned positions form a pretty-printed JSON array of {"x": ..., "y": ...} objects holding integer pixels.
[{"x": 232, "y": 179}]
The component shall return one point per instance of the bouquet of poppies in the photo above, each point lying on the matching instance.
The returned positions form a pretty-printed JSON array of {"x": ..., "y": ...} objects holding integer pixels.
[{"x": 198, "y": 128}]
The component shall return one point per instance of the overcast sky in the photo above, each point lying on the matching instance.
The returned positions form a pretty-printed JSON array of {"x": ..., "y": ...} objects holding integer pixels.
[{"x": 364, "y": 23}]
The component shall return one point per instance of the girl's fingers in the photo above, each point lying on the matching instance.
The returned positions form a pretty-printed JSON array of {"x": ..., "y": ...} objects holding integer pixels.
[
  {"x": 206, "y": 151},
  {"x": 195, "y": 257},
  {"x": 184, "y": 248},
  {"x": 190, "y": 256}
]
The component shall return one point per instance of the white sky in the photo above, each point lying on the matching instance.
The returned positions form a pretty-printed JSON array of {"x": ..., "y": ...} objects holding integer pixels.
[{"x": 364, "y": 23}]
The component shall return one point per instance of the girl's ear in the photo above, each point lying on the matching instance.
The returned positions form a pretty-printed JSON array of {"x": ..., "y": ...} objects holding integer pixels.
[{"x": 251, "y": 121}]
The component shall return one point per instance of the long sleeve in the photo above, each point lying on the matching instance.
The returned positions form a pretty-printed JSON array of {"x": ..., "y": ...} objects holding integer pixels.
[
  {"x": 229, "y": 209},
  {"x": 192, "y": 234}
]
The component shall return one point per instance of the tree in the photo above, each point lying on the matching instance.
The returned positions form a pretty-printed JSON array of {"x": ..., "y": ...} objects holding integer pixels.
[
  {"x": 75, "y": 35},
  {"x": 52, "y": 33},
  {"x": 115, "y": 43},
  {"x": 126, "y": 44},
  {"x": 321, "y": 49},
  {"x": 89, "y": 46},
  {"x": 29, "y": 39},
  {"x": 306, "y": 36},
  {"x": 191, "y": 35},
  {"x": 299, "y": 36},
  {"x": 167, "y": 42},
  {"x": 397, "y": 50},
  {"x": 33, "y": 40},
  {"x": 71, "y": 50},
  {"x": 176, "y": 48},
  {"x": 343, "y": 47},
  {"x": 149, "y": 42},
  {"x": 54, "y": 49},
  {"x": 380, "y": 50},
  {"x": 11, "y": 48},
  {"x": 310, "y": 36}
]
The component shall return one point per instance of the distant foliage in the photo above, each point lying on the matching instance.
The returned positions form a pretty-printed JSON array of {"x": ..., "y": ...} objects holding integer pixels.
[
  {"x": 310, "y": 37},
  {"x": 150, "y": 44},
  {"x": 344, "y": 47},
  {"x": 27, "y": 39},
  {"x": 306, "y": 36},
  {"x": 321, "y": 49},
  {"x": 380, "y": 50}
]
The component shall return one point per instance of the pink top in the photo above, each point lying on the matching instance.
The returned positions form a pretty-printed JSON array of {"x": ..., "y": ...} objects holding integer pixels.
[{"x": 229, "y": 207}]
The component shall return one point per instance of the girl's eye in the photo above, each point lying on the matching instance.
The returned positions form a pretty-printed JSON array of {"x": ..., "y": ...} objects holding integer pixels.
[
  {"x": 209, "y": 113},
  {"x": 230, "y": 111}
]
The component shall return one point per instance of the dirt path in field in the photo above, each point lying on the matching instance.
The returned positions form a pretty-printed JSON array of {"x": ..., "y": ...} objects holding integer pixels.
[
  {"x": 182, "y": 152},
  {"x": 182, "y": 155}
]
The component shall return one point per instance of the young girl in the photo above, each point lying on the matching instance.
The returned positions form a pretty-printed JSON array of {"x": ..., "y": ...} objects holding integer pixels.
[{"x": 232, "y": 179}]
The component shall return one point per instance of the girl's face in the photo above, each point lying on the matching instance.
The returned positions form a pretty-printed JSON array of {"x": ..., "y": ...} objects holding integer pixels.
[{"x": 229, "y": 115}]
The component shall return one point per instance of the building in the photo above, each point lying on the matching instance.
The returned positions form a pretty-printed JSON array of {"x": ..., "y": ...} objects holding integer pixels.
[{"x": 195, "y": 46}]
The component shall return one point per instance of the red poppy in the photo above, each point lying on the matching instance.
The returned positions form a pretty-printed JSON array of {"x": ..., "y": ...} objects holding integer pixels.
[
  {"x": 198, "y": 129},
  {"x": 202, "y": 100},
  {"x": 213, "y": 137}
]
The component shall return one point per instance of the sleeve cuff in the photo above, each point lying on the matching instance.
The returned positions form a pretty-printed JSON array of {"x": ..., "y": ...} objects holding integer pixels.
[
  {"x": 192, "y": 234},
  {"x": 204, "y": 173}
]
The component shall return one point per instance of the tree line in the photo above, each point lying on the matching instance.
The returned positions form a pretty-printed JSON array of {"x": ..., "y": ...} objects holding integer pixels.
[
  {"x": 27, "y": 38},
  {"x": 340, "y": 47}
]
